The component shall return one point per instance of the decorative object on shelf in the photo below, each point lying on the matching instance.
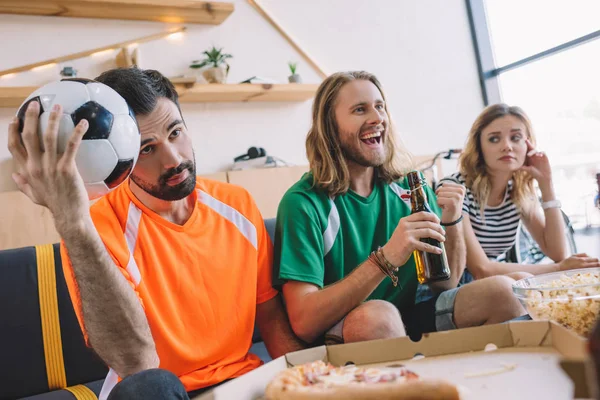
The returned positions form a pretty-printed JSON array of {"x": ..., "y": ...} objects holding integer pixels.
[
  {"x": 219, "y": 69},
  {"x": 68, "y": 72},
  {"x": 259, "y": 79},
  {"x": 294, "y": 78},
  {"x": 256, "y": 157}
]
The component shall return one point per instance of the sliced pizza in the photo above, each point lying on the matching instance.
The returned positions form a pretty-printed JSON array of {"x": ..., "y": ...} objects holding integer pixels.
[{"x": 322, "y": 381}]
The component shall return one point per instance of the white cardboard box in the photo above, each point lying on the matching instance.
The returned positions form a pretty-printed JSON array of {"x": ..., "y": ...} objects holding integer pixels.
[{"x": 525, "y": 365}]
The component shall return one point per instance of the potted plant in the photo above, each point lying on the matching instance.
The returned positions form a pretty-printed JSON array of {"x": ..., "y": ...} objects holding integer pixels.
[
  {"x": 294, "y": 78},
  {"x": 217, "y": 73}
]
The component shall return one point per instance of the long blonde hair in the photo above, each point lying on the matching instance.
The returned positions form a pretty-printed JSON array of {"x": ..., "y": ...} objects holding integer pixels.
[
  {"x": 326, "y": 159},
  {"x": 472, "y": 164}
]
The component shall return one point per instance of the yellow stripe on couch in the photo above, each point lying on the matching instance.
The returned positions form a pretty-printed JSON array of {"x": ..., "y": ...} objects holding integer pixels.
[
  {"x": 53, "y": 352},
  {"x": 82, "y": 392}
]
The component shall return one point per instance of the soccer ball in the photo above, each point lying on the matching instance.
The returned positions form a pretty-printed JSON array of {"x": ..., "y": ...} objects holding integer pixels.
[{"x": 111, "y": 145}]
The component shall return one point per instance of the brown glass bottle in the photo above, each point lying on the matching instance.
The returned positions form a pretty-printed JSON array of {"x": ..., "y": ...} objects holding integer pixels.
[{"x": 430, "y": 267}]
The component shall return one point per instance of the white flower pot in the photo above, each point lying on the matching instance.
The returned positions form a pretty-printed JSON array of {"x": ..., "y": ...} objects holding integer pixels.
[
  {"x": 215, "y": 75},
  {"x": 296, "y": 78}
]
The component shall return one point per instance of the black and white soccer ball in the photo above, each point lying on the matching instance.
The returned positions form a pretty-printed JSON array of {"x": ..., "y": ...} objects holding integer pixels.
[{"x": 111, "y": 145}]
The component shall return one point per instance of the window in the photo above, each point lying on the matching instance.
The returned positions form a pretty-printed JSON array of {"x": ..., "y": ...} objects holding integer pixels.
[{"x": 544, "y": 56}]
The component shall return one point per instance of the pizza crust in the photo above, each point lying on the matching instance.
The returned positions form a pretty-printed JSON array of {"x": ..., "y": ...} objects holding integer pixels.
[
  {"x": 291, "y": 385},
  {"x": 410, "y": 390}
]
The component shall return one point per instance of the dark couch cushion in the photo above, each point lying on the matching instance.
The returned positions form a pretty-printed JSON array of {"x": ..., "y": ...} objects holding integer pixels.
[
  {"x": 22, "y": 361},
  {"x": 270, "y": 225},
  {"x": 95, "y": 387}
]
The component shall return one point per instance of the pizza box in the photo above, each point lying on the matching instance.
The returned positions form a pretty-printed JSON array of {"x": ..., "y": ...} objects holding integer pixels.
[
  {"x": 581, "y": 373},
  {"x": 515, "y": 360}
]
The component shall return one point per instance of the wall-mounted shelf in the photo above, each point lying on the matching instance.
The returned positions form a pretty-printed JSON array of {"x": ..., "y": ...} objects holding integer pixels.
[
  {"x": 243, "y": 92},
  {"x": 174, "y": 11},
  {"x": 13, "y": 96}
]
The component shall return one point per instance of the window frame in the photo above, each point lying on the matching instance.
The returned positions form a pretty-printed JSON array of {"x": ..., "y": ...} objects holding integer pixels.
[{"x": 486, "y": 65}]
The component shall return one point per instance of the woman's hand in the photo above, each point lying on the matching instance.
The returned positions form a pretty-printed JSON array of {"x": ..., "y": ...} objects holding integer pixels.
[
  {"x": 537, "y": 165},
  {"x": 578, "y": 261}
]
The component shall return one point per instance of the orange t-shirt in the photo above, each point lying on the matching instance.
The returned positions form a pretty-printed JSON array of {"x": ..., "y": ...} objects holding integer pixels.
[{"x": 199, "y": 283}]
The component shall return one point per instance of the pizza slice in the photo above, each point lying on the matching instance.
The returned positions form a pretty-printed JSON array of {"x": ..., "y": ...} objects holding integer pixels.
[{"x": 322, "y": 381}]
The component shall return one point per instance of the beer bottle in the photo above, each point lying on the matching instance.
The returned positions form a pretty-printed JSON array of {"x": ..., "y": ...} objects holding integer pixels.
[{"x": 430, "y": 267}]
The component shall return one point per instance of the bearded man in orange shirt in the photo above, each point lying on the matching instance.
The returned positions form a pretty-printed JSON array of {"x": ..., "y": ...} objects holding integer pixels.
[{"x": 168, "y": 273}]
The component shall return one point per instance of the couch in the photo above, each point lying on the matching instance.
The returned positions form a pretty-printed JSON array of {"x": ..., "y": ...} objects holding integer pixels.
[{"x": 43, "y": 354}]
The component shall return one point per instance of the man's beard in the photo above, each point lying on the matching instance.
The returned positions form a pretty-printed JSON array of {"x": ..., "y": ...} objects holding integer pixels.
[
  {"x": 163, "y": 191},
  {"x": 354, "y": 154}
]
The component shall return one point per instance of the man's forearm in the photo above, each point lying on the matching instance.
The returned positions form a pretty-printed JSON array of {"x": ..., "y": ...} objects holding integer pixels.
[
  {"x": 275, "y": 328},
  {"x": 322, "y": 309},
  {"x": 112, "y": 314},
  {"x": 456, "y": 252}
]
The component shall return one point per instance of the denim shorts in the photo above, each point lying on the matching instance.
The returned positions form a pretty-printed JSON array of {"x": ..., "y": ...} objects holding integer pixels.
[
  {"x": 444, "y": 310},
  {"x": 434, "y": 314}
]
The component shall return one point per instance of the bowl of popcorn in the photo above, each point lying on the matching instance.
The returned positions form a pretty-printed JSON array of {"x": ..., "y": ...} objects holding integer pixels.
[{"x": 570, "y": 298}]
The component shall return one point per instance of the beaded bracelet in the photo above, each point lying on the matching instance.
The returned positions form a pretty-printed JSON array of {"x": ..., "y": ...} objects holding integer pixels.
[{"x": 375, "y": 256}]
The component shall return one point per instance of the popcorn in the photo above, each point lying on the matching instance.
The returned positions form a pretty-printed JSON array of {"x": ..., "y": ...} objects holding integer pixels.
[{"x": 574, "y": 304}]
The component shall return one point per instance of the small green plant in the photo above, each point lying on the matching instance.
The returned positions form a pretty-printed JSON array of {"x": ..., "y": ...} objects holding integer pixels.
[
  {"x": 293, "y": 67},
  {"x": 214, "y": 57}
]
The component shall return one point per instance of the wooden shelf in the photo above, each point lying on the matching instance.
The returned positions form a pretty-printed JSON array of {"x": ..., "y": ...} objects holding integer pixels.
[
  {"x": 215, "y": 93},
  {"x": 12, "y": 96},
  {"x": 173, "y": 11}
]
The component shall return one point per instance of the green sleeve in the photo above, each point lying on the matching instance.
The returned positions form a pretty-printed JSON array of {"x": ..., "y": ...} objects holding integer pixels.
[
  {"x": 432, "y": 201},
  {"x": 299, "y": 249}
]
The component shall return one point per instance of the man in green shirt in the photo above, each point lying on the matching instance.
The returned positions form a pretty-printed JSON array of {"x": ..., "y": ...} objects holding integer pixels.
[{"x": 332, "y": 223}]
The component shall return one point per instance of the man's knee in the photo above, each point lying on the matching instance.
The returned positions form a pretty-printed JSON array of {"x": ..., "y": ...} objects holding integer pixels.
[
  {"x": 149, "y": 384},
  {"x": 503, "y": 303},
  {"x": 375, "y": 319},
  {"x": 517, "y": 276}
]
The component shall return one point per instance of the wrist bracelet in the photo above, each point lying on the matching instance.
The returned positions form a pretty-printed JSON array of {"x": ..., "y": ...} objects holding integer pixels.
[
  {"x": 453, "y": 222},
  {"x": 375, "y": 259},
  {"x": 381, "y": 257},
  {"x": 551, "y": 204}
]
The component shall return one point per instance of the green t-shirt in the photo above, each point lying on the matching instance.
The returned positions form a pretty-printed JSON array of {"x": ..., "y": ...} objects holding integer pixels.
[{"x": 321, "y": 240}]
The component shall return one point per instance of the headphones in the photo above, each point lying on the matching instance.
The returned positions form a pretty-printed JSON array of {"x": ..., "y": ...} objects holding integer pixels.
[{"x": 253, "y": 152}]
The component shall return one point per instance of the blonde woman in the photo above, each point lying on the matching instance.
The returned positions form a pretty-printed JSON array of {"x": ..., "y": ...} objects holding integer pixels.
[{"x": 499, "y": 168}]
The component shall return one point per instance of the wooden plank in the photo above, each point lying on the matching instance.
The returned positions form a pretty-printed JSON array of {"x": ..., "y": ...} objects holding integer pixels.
[
  {"x": 215, "y": 93},
  {"x": 24, "y": 223},
  {"x": 13, "y": 96},
  {"x": 171, "y": 11},
  {"x": 267, "y": 185},
  {"x": 123, "y": 59},
  {"x": 86, "y": 53}
]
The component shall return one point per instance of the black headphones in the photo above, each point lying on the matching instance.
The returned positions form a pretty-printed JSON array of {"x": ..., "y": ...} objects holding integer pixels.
[{"x": 253, "y": 152}]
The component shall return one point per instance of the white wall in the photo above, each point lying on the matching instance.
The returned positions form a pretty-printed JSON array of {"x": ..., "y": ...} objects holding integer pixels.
[{"x": 420, "y": 50}]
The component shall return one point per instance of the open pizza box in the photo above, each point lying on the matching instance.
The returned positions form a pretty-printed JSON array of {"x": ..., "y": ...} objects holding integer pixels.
[{"x": 522, "y": 361}]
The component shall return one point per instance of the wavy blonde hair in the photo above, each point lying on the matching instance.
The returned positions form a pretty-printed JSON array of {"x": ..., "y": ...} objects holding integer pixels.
[
  {"x": 472, "y": 164},
  {"x": 326, "y": 159}
]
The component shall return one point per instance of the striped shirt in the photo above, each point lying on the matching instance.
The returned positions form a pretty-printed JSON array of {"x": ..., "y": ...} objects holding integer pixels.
[{"x": 496, "y": 232}]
